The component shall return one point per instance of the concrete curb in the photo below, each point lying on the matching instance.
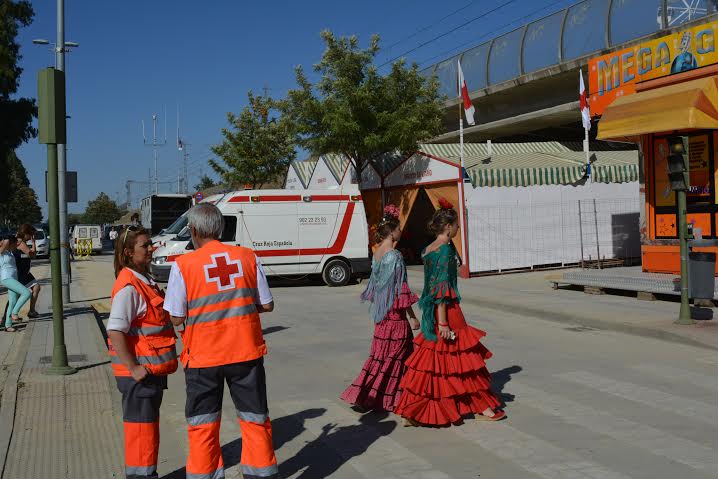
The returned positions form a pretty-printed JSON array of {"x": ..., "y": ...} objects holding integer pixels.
[
  {"x": 564, "y": 318},
  {"x": 9, "y": 398}
]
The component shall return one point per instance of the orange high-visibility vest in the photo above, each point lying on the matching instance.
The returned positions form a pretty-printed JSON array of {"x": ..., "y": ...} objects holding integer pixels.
[
  {"x": 222, "y": 325},
  {"x": 151, "y": 337}
]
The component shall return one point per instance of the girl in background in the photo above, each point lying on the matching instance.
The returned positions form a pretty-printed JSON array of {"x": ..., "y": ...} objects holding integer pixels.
[
  {"x": 17, "y": 294},
  {"x": 377, "y": 386},
  {"x": 446, "y": 375}
]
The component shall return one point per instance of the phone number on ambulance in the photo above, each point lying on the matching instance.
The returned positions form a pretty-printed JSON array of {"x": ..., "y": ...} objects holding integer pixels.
[{"x": 313, "y": 220}]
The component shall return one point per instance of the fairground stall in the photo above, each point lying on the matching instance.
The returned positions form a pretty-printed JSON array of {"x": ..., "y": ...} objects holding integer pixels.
[
  {"x": 528, "y": 205},
  {"x": 645, "y": 94}
]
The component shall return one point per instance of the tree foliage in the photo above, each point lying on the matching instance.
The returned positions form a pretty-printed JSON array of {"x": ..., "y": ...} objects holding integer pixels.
[
  {"x": 257, "y": 148},
  {"x": 21, "y": 205},
  {"x": 204, "y": 183},
  {"x": 355, "y": 111},
  {"x": 102, "y": 210},
  {"x": 75, "y": 219},
  {"x": 15, "y": 113}
]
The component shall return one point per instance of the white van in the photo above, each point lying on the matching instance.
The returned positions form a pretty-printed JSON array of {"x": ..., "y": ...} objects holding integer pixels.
[
  {"x": 87, "y": 232},
  {"x": 315, "y": 232},
  {"x": 176, "y": 228}
]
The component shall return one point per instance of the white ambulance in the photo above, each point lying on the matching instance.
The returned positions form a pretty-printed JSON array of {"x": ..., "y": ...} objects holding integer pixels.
[{"x": 312, "y": 232}]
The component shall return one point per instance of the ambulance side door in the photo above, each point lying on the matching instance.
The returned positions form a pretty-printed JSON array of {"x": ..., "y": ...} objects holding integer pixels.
[{"x": 270, "y": 229}]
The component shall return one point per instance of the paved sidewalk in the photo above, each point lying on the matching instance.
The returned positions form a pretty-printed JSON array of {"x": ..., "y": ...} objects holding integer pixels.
[
  {"x": 531, "y": 294},
  {"x": 64, "y": 426}
]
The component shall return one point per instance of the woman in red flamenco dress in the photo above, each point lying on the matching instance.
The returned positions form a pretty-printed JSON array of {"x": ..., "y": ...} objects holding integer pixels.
[
  {"x": 377, "y": 385},
  {"x": 446, "y": 377}
]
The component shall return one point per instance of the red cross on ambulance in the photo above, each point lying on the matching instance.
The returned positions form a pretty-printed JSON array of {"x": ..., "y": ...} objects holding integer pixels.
[{"x": 223, "y": 271}]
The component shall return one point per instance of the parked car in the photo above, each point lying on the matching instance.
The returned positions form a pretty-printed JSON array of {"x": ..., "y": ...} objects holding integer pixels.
[{"x": 42, "y": 242}]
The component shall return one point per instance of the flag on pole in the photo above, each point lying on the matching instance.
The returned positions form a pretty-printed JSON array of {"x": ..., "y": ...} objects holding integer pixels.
[
  {"x": 585, "y": 112},
  {"x": 464, "y": 93},
  {"x": 180, "y": 145}
]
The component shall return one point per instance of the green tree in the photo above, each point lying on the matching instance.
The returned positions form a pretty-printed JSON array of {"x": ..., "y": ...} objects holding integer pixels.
[
  {"x": 15, "y": 113},
  {"x": 102, "y": 210},
  {"x": 355, "y": 111},
  {"x": 21, "y": 204},
  {"x": 204, "y": 183},
  {"x": 257, "y": 148},
  {"x": 75, "y": 219}
]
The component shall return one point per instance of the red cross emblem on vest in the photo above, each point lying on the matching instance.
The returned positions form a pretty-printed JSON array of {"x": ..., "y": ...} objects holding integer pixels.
[{"x": 223, "y": 271}]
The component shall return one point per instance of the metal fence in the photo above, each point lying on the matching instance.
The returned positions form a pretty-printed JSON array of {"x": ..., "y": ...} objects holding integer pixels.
[{"x": 589, "y": 232}]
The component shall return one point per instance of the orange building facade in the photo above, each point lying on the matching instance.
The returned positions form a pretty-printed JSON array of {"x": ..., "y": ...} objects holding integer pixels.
[{"x": 680, "y": 98}]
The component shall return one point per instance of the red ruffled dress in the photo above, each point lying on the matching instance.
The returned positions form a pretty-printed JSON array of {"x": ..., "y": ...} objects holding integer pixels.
[
  {"x": 377, "y": 385},
  {"x": 445, "y": 380}
]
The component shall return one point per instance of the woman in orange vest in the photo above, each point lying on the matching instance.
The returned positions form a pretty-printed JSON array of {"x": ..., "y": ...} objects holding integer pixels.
[{"x": 142, "y": 348}]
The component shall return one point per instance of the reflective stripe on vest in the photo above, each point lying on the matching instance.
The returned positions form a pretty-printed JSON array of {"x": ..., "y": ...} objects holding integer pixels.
[
  {"x": 222, "y": 325},
  {"x": 151, "y": 337}
]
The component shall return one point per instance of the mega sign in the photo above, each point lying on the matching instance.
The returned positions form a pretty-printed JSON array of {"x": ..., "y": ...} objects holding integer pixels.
[{"x": 617, "y": 73}]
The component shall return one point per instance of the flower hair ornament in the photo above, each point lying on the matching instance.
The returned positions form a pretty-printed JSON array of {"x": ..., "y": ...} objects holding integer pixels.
[
  {"x": 391, "y": 212},
  {"x": 445, "y": 205}
]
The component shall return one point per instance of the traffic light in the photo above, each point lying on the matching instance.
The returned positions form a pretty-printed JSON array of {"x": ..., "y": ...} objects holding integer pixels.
[{"x": 678, "y": 163}]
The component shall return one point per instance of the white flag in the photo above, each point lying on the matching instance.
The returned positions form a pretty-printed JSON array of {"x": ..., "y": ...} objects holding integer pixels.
[{"x": 585, "y": 112}]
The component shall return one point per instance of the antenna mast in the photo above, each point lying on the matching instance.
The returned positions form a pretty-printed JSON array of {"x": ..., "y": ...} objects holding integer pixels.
[{"x": 155, "y": 145}]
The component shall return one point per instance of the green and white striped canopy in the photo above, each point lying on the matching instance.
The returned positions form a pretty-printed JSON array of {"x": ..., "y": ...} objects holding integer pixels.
[{"x": 529, "y": 164}]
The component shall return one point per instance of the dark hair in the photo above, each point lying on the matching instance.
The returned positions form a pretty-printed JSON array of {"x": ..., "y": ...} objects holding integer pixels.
[
  {"x": 126, "y": 240},
  {"x": 385, "y": 227},
  {"x": 26, "y": 230},
  {"x": 442, "y": 218}
]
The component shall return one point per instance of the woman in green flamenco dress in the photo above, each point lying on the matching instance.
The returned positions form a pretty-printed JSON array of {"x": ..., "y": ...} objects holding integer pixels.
[{"x": 446, "y": 377}]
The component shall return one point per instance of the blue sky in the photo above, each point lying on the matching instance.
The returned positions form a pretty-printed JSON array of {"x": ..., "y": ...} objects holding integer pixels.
[{"x": 140, "y": 57}]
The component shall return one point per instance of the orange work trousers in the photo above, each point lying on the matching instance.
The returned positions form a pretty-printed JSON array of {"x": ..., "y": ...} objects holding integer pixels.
[
  {"x": 247, "y": 386},
  {"x": 141, "y": 416}
]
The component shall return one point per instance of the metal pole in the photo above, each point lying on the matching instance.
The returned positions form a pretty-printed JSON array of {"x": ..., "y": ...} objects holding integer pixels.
[
  {"x": 462, "y": 199},
  {"x": 59, "y": 350},
  {"x": 580, "y": 230},
  {"x": 684, "y": 316},
  {"x": 595, "y": 221},
  {"x": 586, "y": 151},
  {"x": 62, "y": 164}
]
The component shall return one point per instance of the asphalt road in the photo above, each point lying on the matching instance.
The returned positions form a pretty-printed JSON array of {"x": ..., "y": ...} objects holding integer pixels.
[{"x": 582, "y": 403}]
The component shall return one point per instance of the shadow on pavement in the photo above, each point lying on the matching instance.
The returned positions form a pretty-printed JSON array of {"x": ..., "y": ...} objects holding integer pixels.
[
  {"x": 89, "y": 300},
  {"x": 284, "y": 430},
  {"x": 273, "y": 329},
  {"x": 90, "y": 366},
  {"x": 317, "y": 459},
  {"x": 500, "y": 378}
]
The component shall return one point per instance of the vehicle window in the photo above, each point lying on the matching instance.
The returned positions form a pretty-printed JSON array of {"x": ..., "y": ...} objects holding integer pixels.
[
  {"x": 39, "y": 235},
  {"x": 177, "y": 226},
  {"x": 82, "y": 232},
  {"x": 94, "y": 233},
  {"x": 183, "y": 235},
  {"x": 230, "y": 229}
]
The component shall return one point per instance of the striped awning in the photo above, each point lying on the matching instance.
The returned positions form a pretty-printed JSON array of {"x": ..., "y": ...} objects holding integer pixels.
[{"x": 527, "y": 176}]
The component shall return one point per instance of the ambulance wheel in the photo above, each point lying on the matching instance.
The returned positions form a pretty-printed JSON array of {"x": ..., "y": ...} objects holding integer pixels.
[{"x": 336, "y": 273}]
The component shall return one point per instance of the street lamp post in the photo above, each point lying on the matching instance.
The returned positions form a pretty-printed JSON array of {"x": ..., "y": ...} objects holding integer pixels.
[{"x": 60, "y": 48}]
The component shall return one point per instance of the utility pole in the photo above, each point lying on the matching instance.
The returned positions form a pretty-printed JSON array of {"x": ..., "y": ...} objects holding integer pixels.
[{"x": 52, "y": 132}]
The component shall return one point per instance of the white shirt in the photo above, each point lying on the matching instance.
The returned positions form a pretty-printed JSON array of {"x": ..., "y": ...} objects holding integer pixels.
[
  {"x": 113, "y": 235},
  {"x": 127, "y": 305},
  {"x": 176, "y": 296}
]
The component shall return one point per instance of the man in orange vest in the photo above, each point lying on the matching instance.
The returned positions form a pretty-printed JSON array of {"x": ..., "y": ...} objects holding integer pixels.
[{"x": 217, "y": 292}]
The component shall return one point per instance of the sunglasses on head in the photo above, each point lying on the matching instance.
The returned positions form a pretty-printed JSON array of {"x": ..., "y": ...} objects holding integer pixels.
[{"x": 128, "y": 229}]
